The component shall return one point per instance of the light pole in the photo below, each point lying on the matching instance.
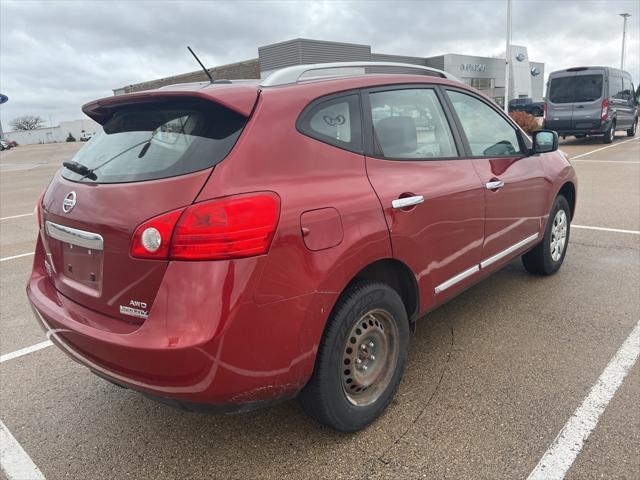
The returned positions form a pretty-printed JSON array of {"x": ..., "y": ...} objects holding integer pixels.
[
  {"x": 508, "y": 59},
  {"x": 624, "y": 37}
]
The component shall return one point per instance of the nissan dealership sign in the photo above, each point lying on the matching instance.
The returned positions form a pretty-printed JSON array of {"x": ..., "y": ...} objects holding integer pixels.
[{"x": 473, "y": 67}]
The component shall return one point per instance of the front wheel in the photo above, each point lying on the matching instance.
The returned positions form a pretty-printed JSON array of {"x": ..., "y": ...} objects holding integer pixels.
[
  {"x": 360, "y": 360},
  {"x": 547, "y": 257},
  {"x": 632, "y": 131}
]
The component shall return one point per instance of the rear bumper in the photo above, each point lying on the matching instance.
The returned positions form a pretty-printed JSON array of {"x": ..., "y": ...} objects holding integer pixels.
[
  {"x": 600, "y": 130},
  {"x": 196, "y": 347}
]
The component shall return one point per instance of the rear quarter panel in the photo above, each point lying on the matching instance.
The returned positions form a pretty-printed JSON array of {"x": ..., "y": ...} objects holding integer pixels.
[{"x": 307, "y": 175}]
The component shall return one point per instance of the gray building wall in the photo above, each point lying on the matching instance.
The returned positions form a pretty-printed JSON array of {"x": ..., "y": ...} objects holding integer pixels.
[
  {"x": 435, "y": 62},
  {"x": 383, "y": 57},
  {"x": 483, "y": 73},
  {"x": 302, "y": 51}
]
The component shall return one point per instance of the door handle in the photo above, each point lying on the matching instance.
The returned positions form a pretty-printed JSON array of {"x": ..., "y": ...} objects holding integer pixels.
[
  {"x": 494, "y": 184},
  {"x": 407, "y": 201}
]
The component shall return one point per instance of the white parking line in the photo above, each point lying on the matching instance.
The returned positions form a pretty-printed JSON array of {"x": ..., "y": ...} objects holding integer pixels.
[
  {"x": 602, "y": 148},
  {"x": 567, "y": 445},
  {"x": 604, "y": 161},
  {"x": 15, "y": 256},
  {"x": 17, "y": 216},
  {"x": 25, "y": 351},
  {"x": 605, "y": 229},
  {"x": 14, "y": 461}
]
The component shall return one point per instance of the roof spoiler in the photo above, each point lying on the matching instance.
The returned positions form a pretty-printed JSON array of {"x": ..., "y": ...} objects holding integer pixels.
[{"x": 239, "y": 98}]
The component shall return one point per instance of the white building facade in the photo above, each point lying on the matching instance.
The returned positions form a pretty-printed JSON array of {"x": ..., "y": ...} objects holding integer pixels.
[{"x": 54, "y": 134}]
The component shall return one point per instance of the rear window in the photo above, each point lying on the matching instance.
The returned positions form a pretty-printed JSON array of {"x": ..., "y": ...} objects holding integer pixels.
[
  {"x": 148, "y": 142},
  {"x": 580, "y": 88}
]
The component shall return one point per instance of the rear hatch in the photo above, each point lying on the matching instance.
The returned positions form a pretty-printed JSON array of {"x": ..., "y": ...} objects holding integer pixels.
[
  {"x": 574, "y": 99},
  {"x": 155, "y": 155}
]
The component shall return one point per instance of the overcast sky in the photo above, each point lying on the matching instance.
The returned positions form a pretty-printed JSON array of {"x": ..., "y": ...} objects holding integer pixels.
[{"x": 57, "y": 55}]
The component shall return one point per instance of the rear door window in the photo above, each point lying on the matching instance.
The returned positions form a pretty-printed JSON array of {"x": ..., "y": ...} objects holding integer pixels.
[
  {"x": 627, "y": 89},
  {"x": 148, "y": 142},
  {"x": 615, "y": 87},
  {"x": 576, "y": 88},
  {"x": 410, "y": 124}
]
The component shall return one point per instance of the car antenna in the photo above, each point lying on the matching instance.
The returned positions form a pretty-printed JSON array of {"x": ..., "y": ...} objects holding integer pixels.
[{"x": 203, "y": 67}]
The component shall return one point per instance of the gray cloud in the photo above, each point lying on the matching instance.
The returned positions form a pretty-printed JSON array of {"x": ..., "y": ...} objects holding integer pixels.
[{"x": 56, "y": 55}]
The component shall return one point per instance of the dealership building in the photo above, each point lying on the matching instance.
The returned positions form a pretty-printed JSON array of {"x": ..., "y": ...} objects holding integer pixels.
[{"x": 486, "y": 74}]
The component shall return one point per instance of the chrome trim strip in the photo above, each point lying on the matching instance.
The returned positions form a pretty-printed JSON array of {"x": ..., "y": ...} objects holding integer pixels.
[
  {"x": 458, "y": 278},
  {"x": 511, "y": 249},
  {"x": 74, "y": 236},
  {"x": 407, "y": 201}
]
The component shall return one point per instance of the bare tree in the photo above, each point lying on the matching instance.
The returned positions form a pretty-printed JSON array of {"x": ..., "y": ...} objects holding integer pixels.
[{"x": 26, "y": 122}]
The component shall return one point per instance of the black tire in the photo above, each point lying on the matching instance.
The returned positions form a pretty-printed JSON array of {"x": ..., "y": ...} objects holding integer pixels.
[
  {"x": 324, "y": 397},
  {"x": 539, "y": 260},
  {"x": 580, "y": 136},
  {"x": 610, "y": 134},
  {"x": 536, "y": 112},
  {"x": 632, "y": 131}
]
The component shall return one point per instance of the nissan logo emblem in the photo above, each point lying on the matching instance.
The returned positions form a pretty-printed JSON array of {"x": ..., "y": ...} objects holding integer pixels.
[{"x": 69, "y": 202}]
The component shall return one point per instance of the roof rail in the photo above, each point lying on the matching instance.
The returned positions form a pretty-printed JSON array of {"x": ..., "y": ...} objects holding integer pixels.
[{"x": 294, "y": 74}]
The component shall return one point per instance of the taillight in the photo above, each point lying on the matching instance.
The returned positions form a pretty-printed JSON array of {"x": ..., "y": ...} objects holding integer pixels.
[
  {"x": 231, "y": 227},
  {"x": 153, "y": 238},
  {"x": 544, "y": 113},
  {"x": 605, "y": 109}
]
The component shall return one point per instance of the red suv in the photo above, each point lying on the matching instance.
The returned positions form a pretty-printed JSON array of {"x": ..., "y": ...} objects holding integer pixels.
[{"x": 223, "y": 246}]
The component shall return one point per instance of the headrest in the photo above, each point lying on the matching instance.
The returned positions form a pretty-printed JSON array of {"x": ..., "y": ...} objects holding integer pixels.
[{"x": 397, "y": 135}]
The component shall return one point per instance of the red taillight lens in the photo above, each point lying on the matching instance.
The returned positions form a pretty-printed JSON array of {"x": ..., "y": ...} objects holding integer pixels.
[
  {"x": 232, "y": 227},
  {"x": 605, "y": 109},
  {"x": 544, "y": 113},
  {"x": 162, "y": 229}
]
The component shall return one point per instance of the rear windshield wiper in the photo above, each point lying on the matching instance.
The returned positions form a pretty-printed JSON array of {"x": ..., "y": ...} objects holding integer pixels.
[
  {"x": 80, "y": 169},
  {"x": 89, "y": 173}
]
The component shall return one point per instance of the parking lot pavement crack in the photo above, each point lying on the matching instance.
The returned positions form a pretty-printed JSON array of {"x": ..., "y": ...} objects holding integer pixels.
[{"x": 384, "y": 456}]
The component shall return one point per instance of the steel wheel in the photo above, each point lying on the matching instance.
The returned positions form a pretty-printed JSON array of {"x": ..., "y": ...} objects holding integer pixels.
[
  {"x": 370, "y": 357},
  {"x": 558, "y": 235}
]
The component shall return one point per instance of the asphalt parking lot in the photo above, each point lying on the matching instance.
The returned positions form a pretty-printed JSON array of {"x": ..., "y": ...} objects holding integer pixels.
[{"x": 493, "y": 377}]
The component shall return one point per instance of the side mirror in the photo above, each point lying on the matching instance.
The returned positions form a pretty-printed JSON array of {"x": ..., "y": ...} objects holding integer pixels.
[{"x": 545, "y": 141}]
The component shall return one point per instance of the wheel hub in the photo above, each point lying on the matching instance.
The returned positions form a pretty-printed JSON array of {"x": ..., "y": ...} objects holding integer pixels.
[
  {"x": 558, "y": 235},
  {"x": 370, "y": 356}
]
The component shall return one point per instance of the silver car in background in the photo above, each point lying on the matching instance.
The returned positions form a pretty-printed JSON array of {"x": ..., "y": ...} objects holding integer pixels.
[{"x": 585, "y": 101}]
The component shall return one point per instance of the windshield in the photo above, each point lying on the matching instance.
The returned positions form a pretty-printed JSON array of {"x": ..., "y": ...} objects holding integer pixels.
[
  {"x": 579, "y": 88},
  {"x": 148, "y": 142}
]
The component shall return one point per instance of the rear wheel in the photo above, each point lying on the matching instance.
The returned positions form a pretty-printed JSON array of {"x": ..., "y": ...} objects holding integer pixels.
[
  {"x": 582, "y": 135},
  {"x": 536, "y": 112},
  {"x": 610, "y": 134},
  {"x": 360, "y": 360},
  {"x": 632, "y": 131},
  {"x": 547, "y": 257}
]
